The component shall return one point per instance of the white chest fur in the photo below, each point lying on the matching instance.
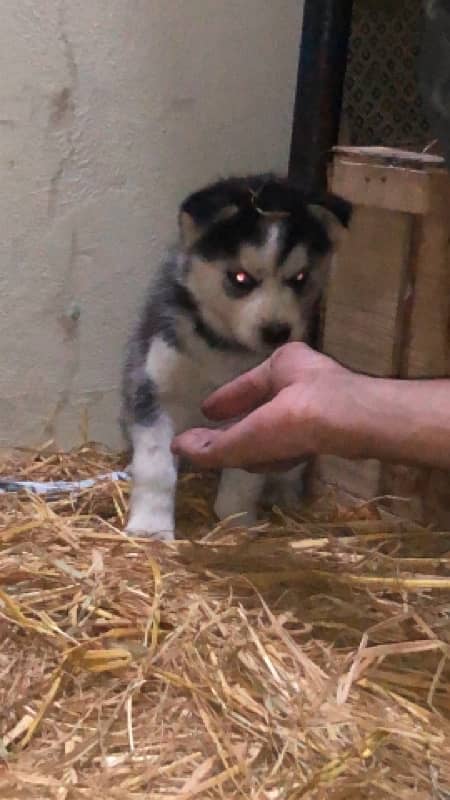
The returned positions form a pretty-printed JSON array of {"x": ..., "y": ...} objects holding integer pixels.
[{"x": 184, "y": 377}]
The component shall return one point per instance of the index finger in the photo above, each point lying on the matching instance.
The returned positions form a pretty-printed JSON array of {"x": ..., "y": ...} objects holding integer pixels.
[{"x": 239, "y": 396}]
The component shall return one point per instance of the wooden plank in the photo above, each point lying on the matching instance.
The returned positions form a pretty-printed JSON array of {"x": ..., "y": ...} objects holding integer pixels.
[
  {"x": 390, "y": 155},
  {"x": 413, "y": 191},
  {"x": 366, "y": 292},
  {"x": 383, "y": 187},
  {"x": 388, "y": 304},
  {"x": 365, "y": 301},
  {"x": 426, "y": 355},
  {"x": 427, "y": 345}
]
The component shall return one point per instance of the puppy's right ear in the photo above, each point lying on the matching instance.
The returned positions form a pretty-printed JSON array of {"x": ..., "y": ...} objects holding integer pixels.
[
  {"x": 335, "y": 213},
  {"x": 203, "y": 209},
  {"x": 190, "y": 231}
]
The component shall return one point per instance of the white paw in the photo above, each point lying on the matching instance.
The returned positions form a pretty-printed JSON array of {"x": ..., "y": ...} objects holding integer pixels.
[{"x": 151, "y": 527}]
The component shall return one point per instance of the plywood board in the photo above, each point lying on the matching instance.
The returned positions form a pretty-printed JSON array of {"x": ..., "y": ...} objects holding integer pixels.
[
  {"x": 383, "y": 187},
  {"x": 388, "y": 302},
  {"x": 413, "y": 191},
  {"x": 390, "y": 155},
  {"x": 366, "y": 292},
  {"x": 365, "y": 299},
  {"x": 426, "y": 355},
  {"x": 427, "y": 344}
]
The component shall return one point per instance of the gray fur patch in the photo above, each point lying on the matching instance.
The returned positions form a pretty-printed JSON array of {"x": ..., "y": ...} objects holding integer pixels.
[{"x": 139, "y": 399}]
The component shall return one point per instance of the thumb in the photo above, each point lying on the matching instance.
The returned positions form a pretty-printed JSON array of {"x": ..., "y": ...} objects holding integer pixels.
[{"x": 249, "y": 442}]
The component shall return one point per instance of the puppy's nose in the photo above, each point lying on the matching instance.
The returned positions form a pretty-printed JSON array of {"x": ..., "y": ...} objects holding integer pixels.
[{"x": 276, "y": 333}]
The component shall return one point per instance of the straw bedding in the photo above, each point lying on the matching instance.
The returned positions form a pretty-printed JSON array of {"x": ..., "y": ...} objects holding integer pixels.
[{"x": 308, "y": 658}]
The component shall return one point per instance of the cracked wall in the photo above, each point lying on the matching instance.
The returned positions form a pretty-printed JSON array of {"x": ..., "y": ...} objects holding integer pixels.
[{"x": 111, "y": 111}]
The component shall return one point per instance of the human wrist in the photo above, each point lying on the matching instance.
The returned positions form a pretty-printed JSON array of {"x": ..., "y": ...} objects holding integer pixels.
[{"x": 350, "y": 421}]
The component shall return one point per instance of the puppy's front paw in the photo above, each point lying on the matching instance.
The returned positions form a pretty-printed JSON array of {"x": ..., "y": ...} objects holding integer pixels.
[{"x": 150, "y": 527}]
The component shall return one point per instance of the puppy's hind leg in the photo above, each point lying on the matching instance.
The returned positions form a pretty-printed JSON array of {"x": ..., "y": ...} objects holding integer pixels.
[
  {"x": 285, "y": 489},
  {"x": 239, "y": 493},
  {"x": 154, "y": 476}
]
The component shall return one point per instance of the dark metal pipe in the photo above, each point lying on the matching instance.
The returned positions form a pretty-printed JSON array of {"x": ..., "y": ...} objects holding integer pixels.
[{"x": 320, "y": 81}]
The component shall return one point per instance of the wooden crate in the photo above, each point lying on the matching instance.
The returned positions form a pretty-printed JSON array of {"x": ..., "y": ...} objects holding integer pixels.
[{"x": 388, "y": 303}]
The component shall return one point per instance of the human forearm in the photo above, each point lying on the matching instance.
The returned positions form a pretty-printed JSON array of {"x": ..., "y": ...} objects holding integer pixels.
[{"x": 391, "y": 420}]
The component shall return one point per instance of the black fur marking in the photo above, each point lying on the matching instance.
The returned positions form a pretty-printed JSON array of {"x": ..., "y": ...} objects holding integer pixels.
[
  {"x": 183, "y": 301},
  {"x": 224, "y": 239},
  {"x": 155, "y": 321},
  {"x": 221, "y": 238},
  {"x": 259, "y": 200},
  {"x": 306, "y": 230},
  {"x": 140, "y": 403},
  {"x": 145, "y": 403},
  {"x": 298, "y": 286},
  {"x": 235, "y": 290},
  {"x": 304, "y": 227},
  {"x": 156, "y": 318},
  {"x": 205, "y": 205},
  {"x": 215, "y": 340},
  {"x": 339, "y": 207}
]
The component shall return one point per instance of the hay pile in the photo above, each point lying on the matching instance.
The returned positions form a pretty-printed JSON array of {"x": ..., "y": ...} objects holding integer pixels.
[{"x": 307, "y": 659}]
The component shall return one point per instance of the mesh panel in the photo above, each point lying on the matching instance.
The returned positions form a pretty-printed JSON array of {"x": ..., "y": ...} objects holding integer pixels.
[{"x": 382, "y": 105}]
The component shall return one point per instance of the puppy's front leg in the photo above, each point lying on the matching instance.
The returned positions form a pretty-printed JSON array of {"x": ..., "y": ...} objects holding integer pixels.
[
  {"x": 239, "y": 493},
  {"x": 154, "y": 475}
]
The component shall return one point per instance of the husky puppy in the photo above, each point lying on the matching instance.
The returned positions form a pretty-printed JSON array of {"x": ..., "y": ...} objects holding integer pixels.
[{"x": 244, "y": 279}]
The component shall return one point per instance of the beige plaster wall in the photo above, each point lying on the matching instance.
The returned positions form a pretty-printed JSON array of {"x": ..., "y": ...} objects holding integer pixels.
[{"x": 110, "y": 111}]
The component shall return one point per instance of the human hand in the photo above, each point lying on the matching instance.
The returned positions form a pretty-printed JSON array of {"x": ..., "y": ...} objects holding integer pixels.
[
  {"x": 284, "y": 404},
  {"x": 300, "y": 403}
]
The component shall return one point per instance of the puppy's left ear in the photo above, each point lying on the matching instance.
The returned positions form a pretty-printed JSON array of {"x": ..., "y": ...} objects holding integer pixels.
[
  {"x": 203, "y": 209},
  {"x": 334, "y": 212},
  {"x": 192, "y": 228}
]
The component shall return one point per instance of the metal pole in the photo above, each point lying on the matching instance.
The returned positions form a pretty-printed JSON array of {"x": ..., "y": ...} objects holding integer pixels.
[{"x": 320, "y": 81}]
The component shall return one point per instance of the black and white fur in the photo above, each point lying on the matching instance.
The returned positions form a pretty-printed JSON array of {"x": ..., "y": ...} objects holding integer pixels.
[{"x": 244, "y": 278}]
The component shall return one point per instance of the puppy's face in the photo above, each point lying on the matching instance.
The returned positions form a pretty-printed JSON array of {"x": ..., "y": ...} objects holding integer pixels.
[{"x": 257, "y": 258}]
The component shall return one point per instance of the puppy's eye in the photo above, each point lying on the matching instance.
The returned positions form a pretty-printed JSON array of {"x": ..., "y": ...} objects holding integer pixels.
[
  {"x": 298, "y": 281},
  {"x": 242, "y": 281}
]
